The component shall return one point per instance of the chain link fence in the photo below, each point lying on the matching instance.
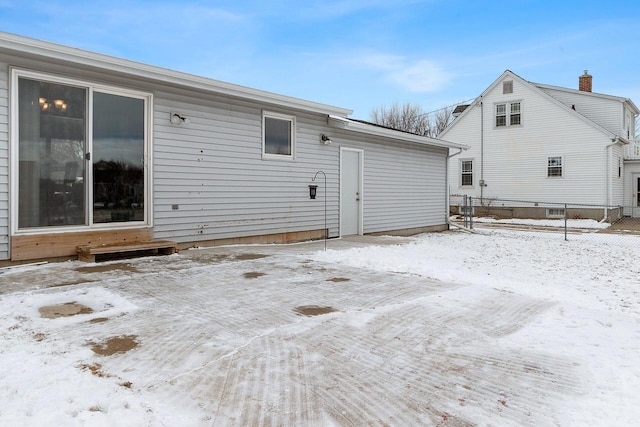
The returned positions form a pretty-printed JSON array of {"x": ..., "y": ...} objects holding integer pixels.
[{"x": 568, "y": 219}]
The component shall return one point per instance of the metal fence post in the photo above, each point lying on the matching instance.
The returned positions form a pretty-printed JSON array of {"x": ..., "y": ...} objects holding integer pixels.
[
  {"x": 470, "y": 213},
  {"x": 565, "y": 221}
]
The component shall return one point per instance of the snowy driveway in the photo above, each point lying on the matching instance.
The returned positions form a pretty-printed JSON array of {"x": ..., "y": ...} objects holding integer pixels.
[{"x": 359, "y": 335}]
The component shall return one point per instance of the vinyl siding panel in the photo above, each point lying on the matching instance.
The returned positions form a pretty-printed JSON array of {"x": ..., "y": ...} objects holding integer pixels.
[
  {"x": 515, "y": 158},
  {"x": 212, "y": 170},
  {"x": 404, "y": 185},
  {"x": 4, "y": 161},
  {"x": 603, "y": 111}
]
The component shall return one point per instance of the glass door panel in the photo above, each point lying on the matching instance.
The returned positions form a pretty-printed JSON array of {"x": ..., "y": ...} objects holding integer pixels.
[
  {"x": 51, "y": 146},
  {"x": 118, "y": 158}
]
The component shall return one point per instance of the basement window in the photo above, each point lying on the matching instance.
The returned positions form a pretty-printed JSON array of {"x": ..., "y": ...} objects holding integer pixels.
[{"x": 555, "y": 212}]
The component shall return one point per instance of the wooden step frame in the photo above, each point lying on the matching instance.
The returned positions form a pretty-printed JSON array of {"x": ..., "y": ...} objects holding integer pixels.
[{"x": 163, "y": 247}]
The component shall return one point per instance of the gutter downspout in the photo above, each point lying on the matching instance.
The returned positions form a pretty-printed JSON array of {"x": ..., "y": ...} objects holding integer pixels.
[{"x": 481, "y": 152}]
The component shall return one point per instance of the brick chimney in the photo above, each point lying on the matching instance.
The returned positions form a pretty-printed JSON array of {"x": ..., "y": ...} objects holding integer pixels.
[{"x": 585, "y": 81}]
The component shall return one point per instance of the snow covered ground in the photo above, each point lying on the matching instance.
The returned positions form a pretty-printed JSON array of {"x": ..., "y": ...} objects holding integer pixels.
[{"x": 447, "y": 329}]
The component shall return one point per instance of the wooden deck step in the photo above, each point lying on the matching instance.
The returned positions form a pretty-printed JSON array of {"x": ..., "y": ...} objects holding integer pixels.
[{"x": 151, "y": 247}]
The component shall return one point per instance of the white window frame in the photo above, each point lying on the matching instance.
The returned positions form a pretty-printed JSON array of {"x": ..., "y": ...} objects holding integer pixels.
[
  {"x": 91, "y": 87},
  {"x": 507, "y": 113},
  {"x": 555, "y": 213},
  {"x": 462, "y": 161},
  {"x": 549, "y": 165},
  {"x": 507, "y": 86},
  {"x": 292, "y": 123}
]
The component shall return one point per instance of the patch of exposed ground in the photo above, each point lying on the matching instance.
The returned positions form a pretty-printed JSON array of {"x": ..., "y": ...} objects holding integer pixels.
[
  {"x": 253, "y": 275},
  {"x": 95, "y": 369},
  {"x": 115, "y": 345},
  {"x": 103, "y": 268},
  {"x": 64, "y": 310},
  {"x": 313, "y": 310},
  {"x": 99, "y": 320},
  {"x": 71, "y": 283},
  {"x": 338, "y": 279},
  {"x": 248, "y": 257}
]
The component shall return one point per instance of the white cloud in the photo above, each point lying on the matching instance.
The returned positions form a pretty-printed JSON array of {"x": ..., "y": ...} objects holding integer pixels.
[
  {"x": 415, "y": 76},
  {"x": 423, "y": 76}
]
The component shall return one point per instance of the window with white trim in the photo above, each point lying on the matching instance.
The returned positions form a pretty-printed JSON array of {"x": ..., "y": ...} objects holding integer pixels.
[
  {"x": 509, "y": 114},
  {"x": 554, "y": 166},
  {"x": 80, "y": 151},
  {"x": 466, "y": 172},
  {"x": 555, "y": 212},
  {"x": 507, "y": 86},
  {"x": 278, "y": 136}
]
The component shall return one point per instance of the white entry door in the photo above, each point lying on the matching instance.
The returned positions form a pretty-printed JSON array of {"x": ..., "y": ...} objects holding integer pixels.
[{"x": 350, "y": 191}]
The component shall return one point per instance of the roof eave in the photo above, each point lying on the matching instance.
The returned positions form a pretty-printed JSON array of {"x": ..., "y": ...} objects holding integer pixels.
[{"x": 345, "y": 123}]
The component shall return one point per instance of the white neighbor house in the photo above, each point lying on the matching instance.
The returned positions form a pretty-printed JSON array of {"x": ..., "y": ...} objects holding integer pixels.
[
  {"x": 536, "y": 142},
  {"x": 97, "y": 150}
]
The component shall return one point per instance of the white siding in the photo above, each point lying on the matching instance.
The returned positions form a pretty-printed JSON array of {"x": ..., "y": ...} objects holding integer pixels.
[
  {"x": 404, "y": 185},
  {"x": 4, "y": 161},
  {"x": 213, "y": 172},
  {"x": 601, "y": 110},
  {"x": 515, "y": 158},
  {"x": 617, "y": 180}
]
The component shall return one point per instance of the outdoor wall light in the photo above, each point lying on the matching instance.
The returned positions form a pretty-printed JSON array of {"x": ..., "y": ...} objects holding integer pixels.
[
  {"x": 313, "y": 189},
  {"x": 325, "y": 139},
  {"x": 177, "y": 119}
]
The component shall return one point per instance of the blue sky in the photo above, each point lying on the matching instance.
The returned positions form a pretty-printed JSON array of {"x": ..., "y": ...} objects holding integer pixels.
[{"x": 356, "y": 54}]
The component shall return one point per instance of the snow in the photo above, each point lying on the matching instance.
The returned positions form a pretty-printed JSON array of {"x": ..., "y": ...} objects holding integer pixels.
[
  {"x": 547, "y": 330},
  {"x": 559, "y": 223}
]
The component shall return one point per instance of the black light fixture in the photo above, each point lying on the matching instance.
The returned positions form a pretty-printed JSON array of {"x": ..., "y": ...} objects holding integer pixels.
[{"x": 313, "y": 189}]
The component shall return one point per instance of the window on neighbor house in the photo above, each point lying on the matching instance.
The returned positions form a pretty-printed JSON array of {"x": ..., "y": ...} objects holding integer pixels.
[
  {"x": 278, "y": 136},
  {"x": 554, "y": 166},
  {"x": 507, "y": 87},
  {"x": 513, "y": 118},
  {"x": 466, "y": 172},
  {"x": 80, "y": 153},
  {"x": 619, "y": 167},
  {"x": 501, "y": 114}
]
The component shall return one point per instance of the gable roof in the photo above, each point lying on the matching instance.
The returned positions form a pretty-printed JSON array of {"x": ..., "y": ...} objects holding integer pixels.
[{"x": 538, "y": 88}]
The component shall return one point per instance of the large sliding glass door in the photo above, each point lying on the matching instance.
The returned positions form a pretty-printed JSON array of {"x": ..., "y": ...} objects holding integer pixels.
[
  {"x": 118, "y": 158},
  {"x": 52, "y": 129},
  {"x": 80, "y": 154}
]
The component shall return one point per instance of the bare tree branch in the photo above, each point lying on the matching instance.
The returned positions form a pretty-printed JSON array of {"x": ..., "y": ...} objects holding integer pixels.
[{"x": 411, "y": 118}]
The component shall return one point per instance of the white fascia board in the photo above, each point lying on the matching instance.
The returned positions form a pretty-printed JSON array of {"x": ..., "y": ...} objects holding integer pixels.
[
  {"x": 46, "y": 50},
  {"x": 343, "y": 122}
]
